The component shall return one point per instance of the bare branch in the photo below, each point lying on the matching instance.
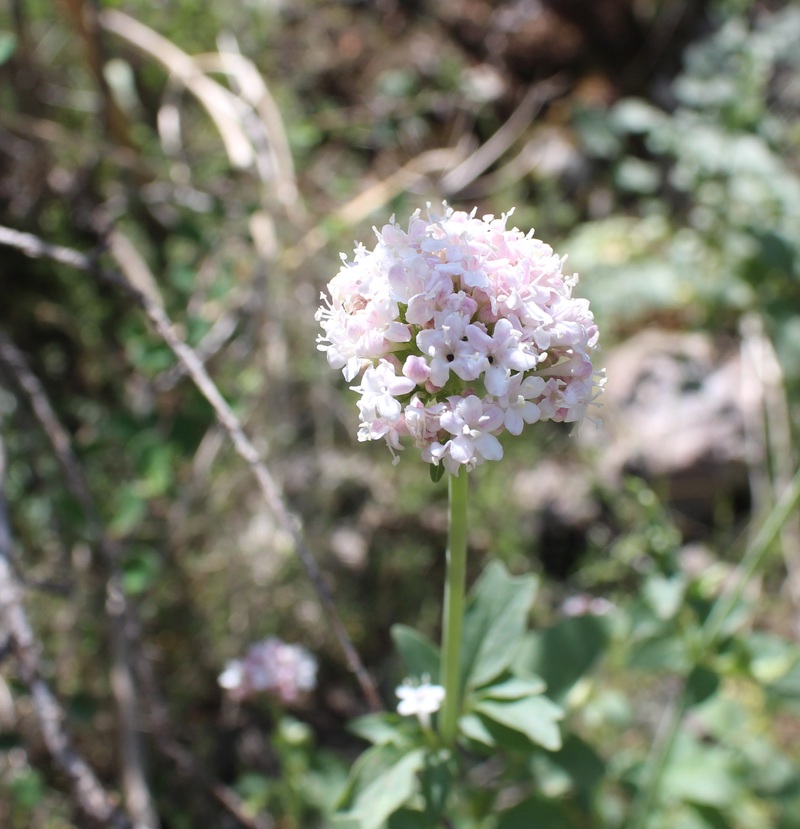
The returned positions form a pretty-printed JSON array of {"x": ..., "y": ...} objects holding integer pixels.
[
  {"x": 186, "y": 762},
  {"x": 89, "y": 793},
  {"x": 270, "y": 491},
  {"x": 137, "y": 793},
  {"x": 35, "y": 247},
  {"x": 519, "y": 120}
]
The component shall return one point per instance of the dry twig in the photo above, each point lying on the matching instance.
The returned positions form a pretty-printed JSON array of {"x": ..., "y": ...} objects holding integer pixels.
[
  {"x": 536, "y": 97},
  {"x": 90, "y": 795},
  {"x": 137, "y": 794},
  {"x": 244, "y": 447}
]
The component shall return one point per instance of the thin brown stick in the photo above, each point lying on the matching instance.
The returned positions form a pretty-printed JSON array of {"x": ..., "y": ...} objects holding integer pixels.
[
  {"x": 119, "y": 612},
  {"x": 535, "y": 98},
  {"x": 137, "y": 793},
  {"x": 33, "y": 246},
  {"x": 186, "y": 762},
  {"x": 90, "y": 795}
]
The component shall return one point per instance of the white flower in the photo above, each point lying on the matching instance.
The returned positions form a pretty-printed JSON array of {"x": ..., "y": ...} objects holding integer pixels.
[
  {"x": 419, "y": 700},
  {"x": 461, "y": 329}
]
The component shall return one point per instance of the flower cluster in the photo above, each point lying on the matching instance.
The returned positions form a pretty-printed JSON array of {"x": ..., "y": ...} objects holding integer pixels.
[
  {"x": 458, "y": 329},
  {"x": 419, "y": 700},
  {"x": 283, "y": 670}
]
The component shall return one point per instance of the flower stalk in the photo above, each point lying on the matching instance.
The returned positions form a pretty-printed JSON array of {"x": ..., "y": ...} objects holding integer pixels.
[{"x": 454, "y": 607}]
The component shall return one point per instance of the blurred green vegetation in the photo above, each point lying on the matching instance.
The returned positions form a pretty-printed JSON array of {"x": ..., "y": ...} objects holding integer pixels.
[{"x": 670, "y": 174}]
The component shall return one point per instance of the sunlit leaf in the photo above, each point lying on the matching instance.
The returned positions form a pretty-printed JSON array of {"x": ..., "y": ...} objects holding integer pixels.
[
  {"x": 535, "y": 717},
  {"x": 495, "y": 622},
  {"x": 385, "y": 794}
]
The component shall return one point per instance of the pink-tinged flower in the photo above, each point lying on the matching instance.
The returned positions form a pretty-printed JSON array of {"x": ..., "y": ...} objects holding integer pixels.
[
  {"x": 460, "y": 329},
  {"x": 518, "y": 403},
  {"x": 271, "y": 666},
  {"x": 379, "y": 389},
  {"x": 471, "y": 422}
]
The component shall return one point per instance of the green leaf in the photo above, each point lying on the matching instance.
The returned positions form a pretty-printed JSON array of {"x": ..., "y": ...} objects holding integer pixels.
[
  {"x": 712, "y": 817},
  {"x": 130, "y": 510},
  {"x": 474, "y": 728},
  {"x": 437, "y": 472},
  {"x": 139, "y": 571},
  {"x": 28, "y": 789},
  {"x": 255, "y": 790},
  {"x": 661, "y": 653},
  {"x": 701, "y": 684},
  {"x": 378, "y": 729},
  {"x": 386, "y": 793},
  {"x": 513, "y": 688},
  {"x": 367, "y": 768},
  {"x": 419, "y": 654},
  {"x": 408, "y": 819},
  {"x": 8, "y": 45},
  {"x": 437, "y": 779},
  {"x": 786, "y": 690},
  {"x": 562, "y": 654},
  {"x": 536, "y": 813},
  {"x": 700, "y": 774},
  {"x": 665, "y": 595},
  {"x": 581, "y": 762},
  {"x": 494, "y": 623},
  {"x": 535, "y": 717}
]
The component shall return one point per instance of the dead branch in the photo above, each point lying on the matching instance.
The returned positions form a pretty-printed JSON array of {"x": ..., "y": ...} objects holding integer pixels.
[
  {"x": 186, "y": 762},
  {"x": 270, "y": 491},
  {"x": 536, "y": 97},
  {"x": 137, "y": 793},
  {"x": 90, "y": 795},
  {"x": 138, "y": 796}
]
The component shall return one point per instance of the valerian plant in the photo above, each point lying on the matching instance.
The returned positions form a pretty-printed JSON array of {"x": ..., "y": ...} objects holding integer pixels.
[{"x": 456, "y": 330}]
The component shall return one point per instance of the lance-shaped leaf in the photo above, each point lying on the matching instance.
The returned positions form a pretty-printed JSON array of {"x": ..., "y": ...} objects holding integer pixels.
[
  {"x": 384, "y": 794},
  {"x": 495, "y": 623},
  {"x": 421, "y": 657},
  {"x": 534, "y": 717}
]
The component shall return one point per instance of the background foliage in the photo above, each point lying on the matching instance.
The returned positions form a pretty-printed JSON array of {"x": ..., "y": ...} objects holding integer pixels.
[{"x": 657, "y": 143}]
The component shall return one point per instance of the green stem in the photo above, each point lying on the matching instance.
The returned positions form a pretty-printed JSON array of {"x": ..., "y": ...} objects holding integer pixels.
[
  {"x": 710, "y": 634},
  {"x": 454, "y": 607}
]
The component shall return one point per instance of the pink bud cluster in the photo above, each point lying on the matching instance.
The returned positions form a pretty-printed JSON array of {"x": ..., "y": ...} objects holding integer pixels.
[
  {"x": 283, "y": 670},
  {"x": 459, "y": 329}
]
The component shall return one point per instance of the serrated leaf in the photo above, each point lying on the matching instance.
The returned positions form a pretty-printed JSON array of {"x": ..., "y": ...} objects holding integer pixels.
[
  {"x": 385, "y": 794},
  {"x": 494, "y": 624},
  {"x": 419, "y": 654},
  {"x": 535, "y": 717}
]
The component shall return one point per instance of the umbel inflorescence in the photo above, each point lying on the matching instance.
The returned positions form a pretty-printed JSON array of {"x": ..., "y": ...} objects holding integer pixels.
[{"x": 459, "y": 329}]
